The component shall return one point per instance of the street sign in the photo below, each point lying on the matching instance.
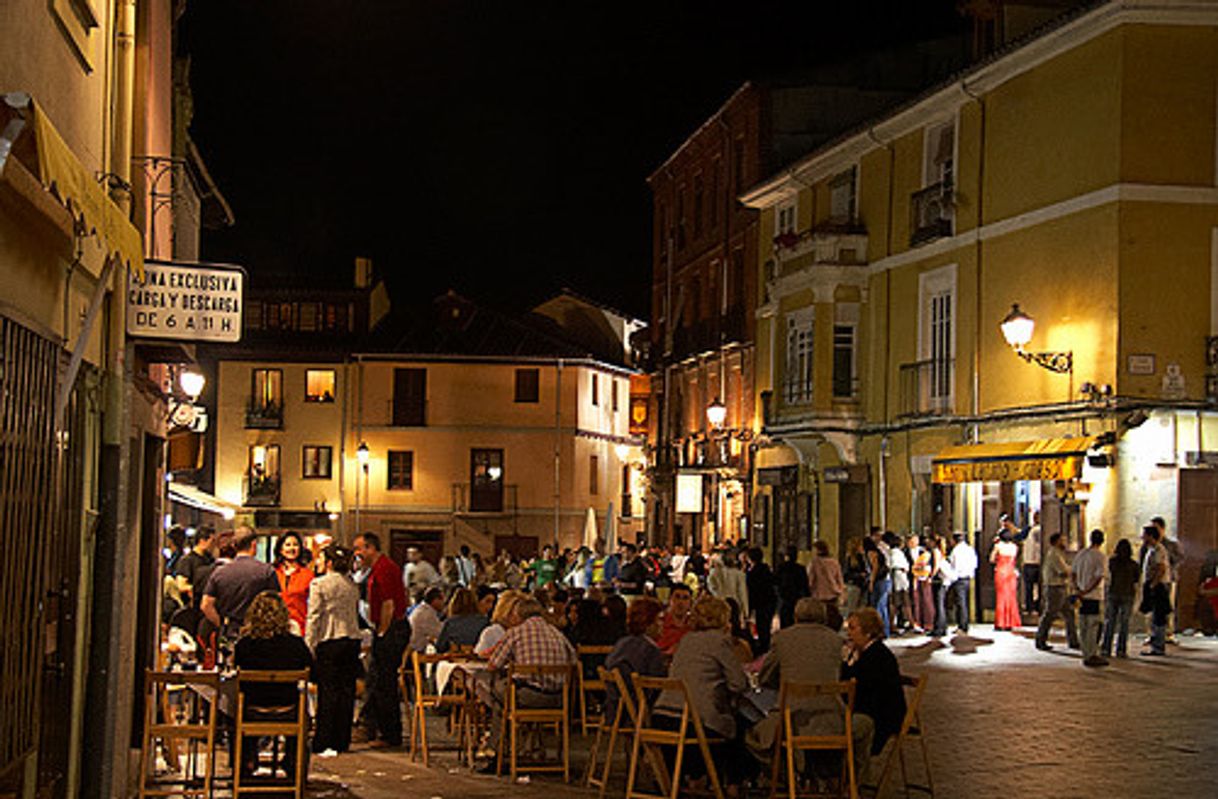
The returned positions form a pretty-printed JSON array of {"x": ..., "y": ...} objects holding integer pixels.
[{"x": 186, "y": 302}]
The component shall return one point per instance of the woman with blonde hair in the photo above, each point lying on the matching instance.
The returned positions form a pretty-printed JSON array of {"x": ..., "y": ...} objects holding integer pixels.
[
  {"x": 268, "y": 644},
  {"x": 714, "y": 677},
  {"x": 501, "y": 619}
]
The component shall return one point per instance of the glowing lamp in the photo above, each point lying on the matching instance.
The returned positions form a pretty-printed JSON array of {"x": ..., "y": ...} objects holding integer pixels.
[
  {"x": 1017, "y": 328},
  {"x": 716, "y": 413}
]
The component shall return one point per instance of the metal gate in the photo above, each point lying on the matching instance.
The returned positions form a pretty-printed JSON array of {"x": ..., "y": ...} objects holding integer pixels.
[{"x": 41, "y": 501}]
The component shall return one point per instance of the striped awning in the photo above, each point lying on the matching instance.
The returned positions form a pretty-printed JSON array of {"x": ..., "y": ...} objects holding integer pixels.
[{"x": 1044, "y": 459}]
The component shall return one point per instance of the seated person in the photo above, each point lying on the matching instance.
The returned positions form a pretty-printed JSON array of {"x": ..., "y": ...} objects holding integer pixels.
[
  {"x": 425, "y": 622},
  {"x": 879, "y": 694},
  {"x": 530, "y": 640},
  {"x": 808, "y": 651},
  {"x": 674, "y": 623},
  {"x": 464, "y": 624},
  {"x": 714, "y": 677},
  {"x": 636, "y": 652},
  {"x": 493, "y": 633},
  {"x": 267, "y": 644}
]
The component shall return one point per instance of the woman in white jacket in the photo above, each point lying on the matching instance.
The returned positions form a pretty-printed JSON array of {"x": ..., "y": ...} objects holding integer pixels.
[{"x": 726, "y": 579}]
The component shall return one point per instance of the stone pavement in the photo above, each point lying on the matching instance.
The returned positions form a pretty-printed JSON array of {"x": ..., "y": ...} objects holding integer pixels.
[{"x": 1002, "y": 718}]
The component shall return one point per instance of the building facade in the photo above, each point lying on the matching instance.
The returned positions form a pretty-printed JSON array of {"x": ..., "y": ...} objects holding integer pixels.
[{"x": 1072, "y": 175}]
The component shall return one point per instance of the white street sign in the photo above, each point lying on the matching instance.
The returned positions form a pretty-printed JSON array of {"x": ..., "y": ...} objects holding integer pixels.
[{"x": 186, "y": 302}]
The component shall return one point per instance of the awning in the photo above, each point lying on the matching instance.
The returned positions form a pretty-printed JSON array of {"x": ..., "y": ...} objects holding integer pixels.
[
  {"x": 64, "y": 176},
  {"x": 197, "y": 498},
  {"x": 1045, "y": 459}
]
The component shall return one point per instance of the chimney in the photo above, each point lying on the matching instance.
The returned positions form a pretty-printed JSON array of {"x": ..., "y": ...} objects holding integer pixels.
[{"x": 363, "y": 273}]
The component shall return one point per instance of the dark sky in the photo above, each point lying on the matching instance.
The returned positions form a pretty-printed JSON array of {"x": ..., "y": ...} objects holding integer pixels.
[{"x": 499, "y": 147}]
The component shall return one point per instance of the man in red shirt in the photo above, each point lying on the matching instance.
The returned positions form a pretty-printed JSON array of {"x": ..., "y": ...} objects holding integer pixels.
[
  {"x": 387, "y": 613},
  {"x": 675, "y": 621}
]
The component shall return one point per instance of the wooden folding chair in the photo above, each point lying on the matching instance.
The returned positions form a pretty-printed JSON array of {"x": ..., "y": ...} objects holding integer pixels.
[
  {"x": 625, "y": 719},
  {"x": 790, "y": 741},
  {"x": 424, "y": 699},
  {"x": 588, "y": 686},
  {"x": 911, "y": 729},
  {"x": 293, "y": 725},
  {"x": 190, "y": 721},
  {"x": 649, "y": 740},
  {"x": 515, "y": 716}
]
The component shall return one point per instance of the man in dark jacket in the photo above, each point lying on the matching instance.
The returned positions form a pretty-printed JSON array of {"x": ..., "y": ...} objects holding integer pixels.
[
  {"x": 763, "y": 596},
  {"x": 792, "y": 583}
]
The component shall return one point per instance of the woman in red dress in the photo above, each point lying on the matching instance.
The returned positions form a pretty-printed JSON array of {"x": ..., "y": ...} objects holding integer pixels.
[
  {"x": 1006, "y": 606},
  {"x": 292, "y": 567}
]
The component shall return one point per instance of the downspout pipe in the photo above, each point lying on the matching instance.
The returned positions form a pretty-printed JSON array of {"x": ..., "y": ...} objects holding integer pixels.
[{"x": 883, "y": 459}]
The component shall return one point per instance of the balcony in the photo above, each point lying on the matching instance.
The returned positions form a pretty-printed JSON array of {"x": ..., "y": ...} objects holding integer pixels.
[
  {"x": 261, "y": 491},
  {"x": 927, "y": 388},
  {"x": 932, "y": 209},
  {"x": 264, "y": 416},
  {"x": 467, "y": 501},
  {"x": 839, "y": 242}
]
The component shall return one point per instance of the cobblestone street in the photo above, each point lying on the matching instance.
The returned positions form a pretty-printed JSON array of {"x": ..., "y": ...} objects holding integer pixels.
[{"x": 1002, "y": 720}]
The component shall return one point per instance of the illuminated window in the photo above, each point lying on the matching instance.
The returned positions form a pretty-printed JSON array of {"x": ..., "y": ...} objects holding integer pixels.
[
  {"x": 267, "y": 389},
  {"x": 401, "y": 470},
  {"x": 319, "y": 385},
  {"x": 317, "y": 462}
]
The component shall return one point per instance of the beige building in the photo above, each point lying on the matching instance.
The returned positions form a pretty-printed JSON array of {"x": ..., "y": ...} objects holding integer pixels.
[{"x": 504, "y": 436}]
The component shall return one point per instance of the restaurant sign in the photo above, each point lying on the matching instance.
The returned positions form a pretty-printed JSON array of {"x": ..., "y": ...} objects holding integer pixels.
[
  {"x": 1004, "y": 470},
  {"x": 186, "y": 302}
]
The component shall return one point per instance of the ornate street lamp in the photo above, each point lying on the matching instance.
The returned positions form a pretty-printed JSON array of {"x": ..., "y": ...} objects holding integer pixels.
[
  {"x": 191, "y": 383},
  {"x": 1017, "y": 329},
  {"x": 716, "y": 414}
]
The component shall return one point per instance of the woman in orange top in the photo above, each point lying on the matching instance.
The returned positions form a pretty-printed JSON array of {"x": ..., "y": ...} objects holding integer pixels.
[{"x": 292, "y": 566}]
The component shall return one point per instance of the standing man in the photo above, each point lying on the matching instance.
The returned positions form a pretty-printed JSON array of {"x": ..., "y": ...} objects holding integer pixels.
[
  {"x": 964, "y": 566},
  {"x": 633, "y": 575},
  {"x": 196, "y": 564},
  {"x": 465, "y": 568},
  {"x": 1056, "y": 601},
  {"x": 391, "y": 634},
  {"x": 792, "y": 586},
  {"x": 763, "y": 596},
  {"x": 232, "y": 587},
  {"x": 1174, "y": 558},
  {"x": 1030, "y": 554},
  {"x": 1156, "y": 593},
  {"x": 544, "y": 568},
  {"x": 418, "y": 575},
  {"x": 1088, "y": 573}
]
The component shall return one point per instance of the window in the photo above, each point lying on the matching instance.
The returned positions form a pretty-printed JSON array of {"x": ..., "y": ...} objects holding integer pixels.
[
  {"x": 845, "y": 326},
  {"x": 614, "y": 395},
  {"x": 316, "y": 462},
  {"x": 699, "y": 205},
  {"x": 937, "y": 336},
  {"x": 528, "y": 385},
  {"x": 596, "y": 393},
  {"x": 78, "y": 21},
  {"x": 252, "y": 317},
  {"x": 266, "y": 389},
  {"x": 594, "y": 475},
  {"x": 319, "y": 385},
  {"x": 308, "y": 316},
  {"x": 738, "y": 165},
  {"x": 714, "y": 196},
  {"x": 842, "y": 196},
  {"x": 680, "y": 217},
  {"x": 784, "y": 220},
  {"x": 409, "y": 397},
  {"x": 401, "y": 470},
  {"x": 940, "y": 154},
  {"x": 262, "y": 475},
  {"x": 797, "y": 377}
]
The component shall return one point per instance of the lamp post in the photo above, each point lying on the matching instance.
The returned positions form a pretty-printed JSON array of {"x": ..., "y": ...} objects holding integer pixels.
[
  {"x": 361, "y": 455},
  {"x": 716, "y": 415},
  {"x": 1017, "y": 329}
]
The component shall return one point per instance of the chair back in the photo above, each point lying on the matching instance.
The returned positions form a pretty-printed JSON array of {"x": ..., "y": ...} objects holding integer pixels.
[
  {"x": 550, "y": 674},
  {"x": 789, "y": 698},
  {"x": 612, "y": 678},
  {"x": 912, "y": 721},
  {"x": 297, "y": 677}
]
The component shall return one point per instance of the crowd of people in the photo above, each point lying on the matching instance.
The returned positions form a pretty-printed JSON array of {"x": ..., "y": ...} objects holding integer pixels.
[{"x": 725, "y": 621}]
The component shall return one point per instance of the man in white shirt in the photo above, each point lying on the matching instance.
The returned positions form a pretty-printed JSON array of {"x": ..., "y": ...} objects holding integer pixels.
[
  {"x": 1030, "y": 557},
  {"x": 963, "y": 559},
  {"x": 417, "y": 575},
  {"x": 465, "y": 567},
  {"x": 425, "y": 620},
  {"x": 1087, "y": 573}
]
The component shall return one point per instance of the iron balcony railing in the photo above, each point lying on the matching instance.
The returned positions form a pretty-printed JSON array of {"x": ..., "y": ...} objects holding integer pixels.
[
  {"x": 471, "y": 501},
  {"x": 261, "y": 491},
  {"x": 927, "y": 387},
  {"x": 264, "y": 416},
  {"x": 932, "y": 210}
]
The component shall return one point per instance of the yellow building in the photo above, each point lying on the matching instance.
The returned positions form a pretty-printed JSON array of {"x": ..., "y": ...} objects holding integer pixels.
[
  {"x": 504, "y": 435},
  {"x": 1074, "y": 175}
]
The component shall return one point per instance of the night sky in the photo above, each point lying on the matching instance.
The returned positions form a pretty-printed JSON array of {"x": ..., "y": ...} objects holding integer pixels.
[{"x": 499, "y": 148}]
